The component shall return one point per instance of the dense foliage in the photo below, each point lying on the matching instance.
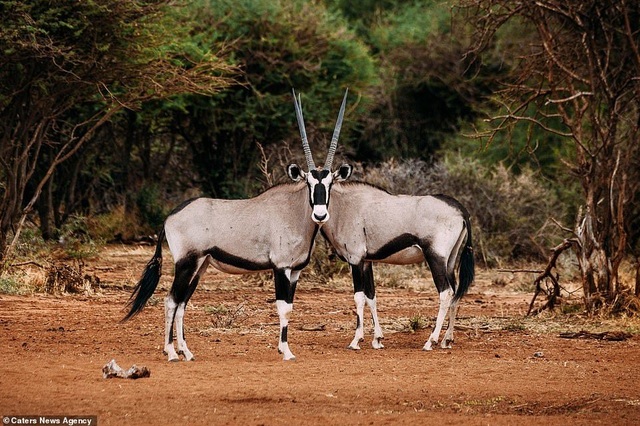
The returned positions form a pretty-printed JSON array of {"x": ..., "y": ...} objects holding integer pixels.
[
  {"x": 66, "y": 69},
  {"x": 112, "y": 111},
  {"x": 577, "y": 78}
]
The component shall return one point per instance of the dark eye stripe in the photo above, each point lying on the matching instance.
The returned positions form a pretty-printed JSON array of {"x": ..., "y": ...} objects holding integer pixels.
[{"x": 320, "y": 174}]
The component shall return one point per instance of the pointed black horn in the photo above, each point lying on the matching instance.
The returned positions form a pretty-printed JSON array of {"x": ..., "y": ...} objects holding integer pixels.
[
  {"x": 303, "y": 133},
  {"x": 336, "y": 134}
]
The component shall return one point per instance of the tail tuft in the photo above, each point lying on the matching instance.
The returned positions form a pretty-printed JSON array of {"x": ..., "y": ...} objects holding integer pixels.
[
  {"x": 467, "y": 265},
  {"x": 148, "y": 282}
]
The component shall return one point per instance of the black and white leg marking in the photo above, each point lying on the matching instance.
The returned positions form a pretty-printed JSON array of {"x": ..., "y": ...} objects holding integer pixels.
[
  {"x": 187, "y": 275},
  {"x": 447, "y": 340},
  {"x": 285, "y": 281},
  {"x": 364, "y": 293}
]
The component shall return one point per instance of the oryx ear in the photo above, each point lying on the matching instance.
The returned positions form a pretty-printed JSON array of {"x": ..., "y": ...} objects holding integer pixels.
[
  {"x": 294, "y": 172},
  {"x": 343, "y": 173}
]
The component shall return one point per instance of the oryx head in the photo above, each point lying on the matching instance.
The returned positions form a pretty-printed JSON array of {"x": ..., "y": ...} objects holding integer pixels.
[{"x": 319, "y": 179}]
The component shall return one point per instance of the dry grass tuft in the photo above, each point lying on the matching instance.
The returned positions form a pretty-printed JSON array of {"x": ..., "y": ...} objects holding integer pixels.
[{"x": 69, "y": 278}]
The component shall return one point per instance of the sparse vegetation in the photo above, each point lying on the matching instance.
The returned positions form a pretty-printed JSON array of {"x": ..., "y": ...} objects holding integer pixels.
[
  {"x": 11, "y": 285},
  {"x": 417, "y": 322},
  {"x": 223, "y": 316},
  {"x": 76, "y": 239},
  {"x": 69, "y": 278}
]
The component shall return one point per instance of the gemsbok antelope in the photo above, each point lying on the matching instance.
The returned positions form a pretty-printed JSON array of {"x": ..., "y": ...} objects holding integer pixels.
[
  {"x": 371, "y": 225},
  {"x": 272, "y": 231}
]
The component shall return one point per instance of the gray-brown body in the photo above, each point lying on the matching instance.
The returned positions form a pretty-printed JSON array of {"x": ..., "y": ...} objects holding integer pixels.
[{"x": 370, "y": 225}]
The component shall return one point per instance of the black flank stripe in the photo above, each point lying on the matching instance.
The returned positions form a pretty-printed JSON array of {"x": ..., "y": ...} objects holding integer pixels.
[
  {"x": 237, "y": 261},
  {"x": 399, "y": 243}
]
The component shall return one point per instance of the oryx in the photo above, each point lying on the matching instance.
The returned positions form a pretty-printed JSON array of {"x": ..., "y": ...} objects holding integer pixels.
[
  {"x": 272, "y": 231},
  {"x": 371, "y": 225}
]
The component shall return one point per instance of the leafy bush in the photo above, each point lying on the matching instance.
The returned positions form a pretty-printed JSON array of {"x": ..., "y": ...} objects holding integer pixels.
[
  {"x": 10, "y": 285},
  {"x": 279, "y": 46},
  {"x": 76, "y": 240},
  {"x": 150, "y": 206},
  {"x": 510, "y": 213},
  {"x": 429, "y": 86}
]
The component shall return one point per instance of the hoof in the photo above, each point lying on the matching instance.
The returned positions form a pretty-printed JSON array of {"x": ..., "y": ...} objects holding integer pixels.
[
  {"x": 173, "y": 356},
  {"x": 288, "y": 356},
  {"x": 355, "y": 344},
  {"x": 188, "y": 356},
  {"x": 377, "y": 343},
  {"x": 428, "y": 346},
  {"x": 446, "y": 344}
]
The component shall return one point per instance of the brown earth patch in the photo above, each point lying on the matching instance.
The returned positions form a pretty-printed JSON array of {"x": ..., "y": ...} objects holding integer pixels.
[{"x": 504, "y": 368}]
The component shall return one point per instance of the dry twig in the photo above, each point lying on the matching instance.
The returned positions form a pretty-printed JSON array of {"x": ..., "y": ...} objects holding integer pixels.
[{"x": 554, "y": 293}]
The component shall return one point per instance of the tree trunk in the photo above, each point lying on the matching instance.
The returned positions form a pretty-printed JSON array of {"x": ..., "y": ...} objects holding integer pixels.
[
  {"x": 637, "y": 289},
  {"x": 45, "y": 211},
  {"x": 598, "y": 272}
]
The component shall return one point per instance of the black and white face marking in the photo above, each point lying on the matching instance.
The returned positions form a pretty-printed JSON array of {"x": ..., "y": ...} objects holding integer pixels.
[{"x": 319, "y": 182}]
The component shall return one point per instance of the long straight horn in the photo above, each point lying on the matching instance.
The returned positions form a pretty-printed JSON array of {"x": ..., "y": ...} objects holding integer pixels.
[
  {"x": 336, "y": 134},
  {"x": 303, "y": 133}
]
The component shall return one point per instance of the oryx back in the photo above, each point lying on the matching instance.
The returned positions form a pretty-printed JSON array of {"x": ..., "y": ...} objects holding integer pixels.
[{"x": 269, "y": 231}]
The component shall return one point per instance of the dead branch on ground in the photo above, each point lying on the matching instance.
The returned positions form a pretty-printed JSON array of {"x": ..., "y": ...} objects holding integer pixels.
[
  {"x": 612, "y": 336},
  {"x": 554, "y": 293}
]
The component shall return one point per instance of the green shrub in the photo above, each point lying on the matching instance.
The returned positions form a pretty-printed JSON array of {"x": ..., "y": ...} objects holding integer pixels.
[
  {"x": 151, "y": 207},
  {"x": 279, "y": 46},
  {"x": 10, "y": 285},
  {"x": 76, "y": 240}
]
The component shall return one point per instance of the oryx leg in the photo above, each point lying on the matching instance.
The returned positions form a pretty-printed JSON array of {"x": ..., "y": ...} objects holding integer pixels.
[
  {"x": 170, "y": 307},
  {"x": 364, "y": 293},
  {"x": 454, "y": 257},
  {"x": 360, "y": 300},
  {"x": 447, "y": 340},
  {"x": 185, "y": 281},
  {"x": 370, "y": 297},
  {"x": 182, "y": 306},
  {"x": 445, "y": 290},
  {"x": 446, "y": 297},
  {"x": 286, "y": 281}
]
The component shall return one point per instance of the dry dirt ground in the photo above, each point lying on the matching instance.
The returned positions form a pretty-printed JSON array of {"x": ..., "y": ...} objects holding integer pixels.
[{"x": 504, "y": 369}]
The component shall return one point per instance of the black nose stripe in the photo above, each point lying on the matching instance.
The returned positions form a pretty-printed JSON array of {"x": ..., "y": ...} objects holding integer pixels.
[{"x": 319, "y": 195}]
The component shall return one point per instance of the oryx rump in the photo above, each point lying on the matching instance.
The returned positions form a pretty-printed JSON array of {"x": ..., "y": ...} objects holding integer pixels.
[
  {"x": 272, "y": 231},
  {"x": 370, "y": 225}
]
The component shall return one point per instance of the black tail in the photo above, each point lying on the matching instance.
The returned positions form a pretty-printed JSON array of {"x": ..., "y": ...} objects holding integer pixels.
[
  {"x": 467, "y": 264},
  {"x": 148, "y": 282}
]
